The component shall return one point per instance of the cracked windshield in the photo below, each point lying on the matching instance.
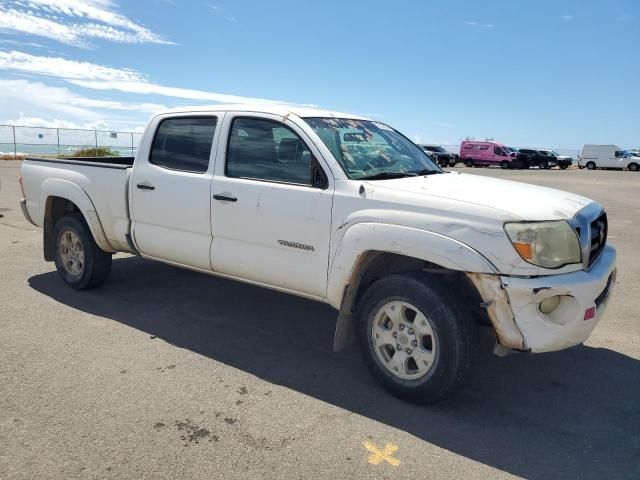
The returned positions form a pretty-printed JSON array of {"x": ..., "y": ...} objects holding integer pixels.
[{"x": 369, "y": 150}]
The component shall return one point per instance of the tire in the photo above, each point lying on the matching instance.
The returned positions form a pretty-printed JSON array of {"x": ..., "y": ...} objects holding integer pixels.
[
  {"x": 446, "y": 355},
  {"x": 633, "y": 167},
  {"x": 452, "y": 162},
  {"x": 79, "y": 260},
  {"x": 590, "y": 166},
  {"x": 563, "y": 167},
  {"x": 505, "y": 165},
  {"x": 469, "y": 163},
  {"x": 543, "y": 165}
]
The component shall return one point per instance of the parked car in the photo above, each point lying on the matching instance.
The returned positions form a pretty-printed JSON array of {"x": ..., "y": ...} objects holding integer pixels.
[
  {"x": 441, "y": 155},
  {"x": 486, "y": 153},
  {"x": 536, "y": 158},
  {"x": 608, "y": 156},
  {"x": 277, "y": 196},
  {"x": 554, "y": 159}
]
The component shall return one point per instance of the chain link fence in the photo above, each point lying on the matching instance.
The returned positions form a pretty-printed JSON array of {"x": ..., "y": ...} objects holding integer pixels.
[{"x": 17, "y": 142}]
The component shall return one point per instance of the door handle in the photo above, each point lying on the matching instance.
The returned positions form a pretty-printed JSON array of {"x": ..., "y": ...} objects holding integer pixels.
[
  {"x": 225, "y": 198},
  {"x": 145, "y": 186}
]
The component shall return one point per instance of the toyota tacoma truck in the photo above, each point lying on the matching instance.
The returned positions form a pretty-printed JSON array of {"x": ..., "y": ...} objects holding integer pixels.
[{"x": 346, "y": 211}]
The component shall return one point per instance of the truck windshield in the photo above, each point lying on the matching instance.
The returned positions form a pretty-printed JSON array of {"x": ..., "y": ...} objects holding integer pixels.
[{"x": 368, "y": 149}]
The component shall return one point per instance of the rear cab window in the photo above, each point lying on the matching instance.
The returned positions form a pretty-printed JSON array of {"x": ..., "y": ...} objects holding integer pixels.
[{"x": 184, "y": 143}]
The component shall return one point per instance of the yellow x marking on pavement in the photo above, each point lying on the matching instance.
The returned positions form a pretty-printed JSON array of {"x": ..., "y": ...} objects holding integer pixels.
[{"x": 385, "y": 455}]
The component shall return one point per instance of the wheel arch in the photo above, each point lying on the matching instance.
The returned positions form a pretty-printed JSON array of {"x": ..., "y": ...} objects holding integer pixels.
[
  {"x": 60, "y": 197},
  {"x": 368, "y": 252}
]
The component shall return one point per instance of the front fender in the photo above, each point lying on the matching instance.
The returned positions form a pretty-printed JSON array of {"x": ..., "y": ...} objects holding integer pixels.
[
  {"x": 55, "y": 187},
  {"x": 411, "y": 242}
]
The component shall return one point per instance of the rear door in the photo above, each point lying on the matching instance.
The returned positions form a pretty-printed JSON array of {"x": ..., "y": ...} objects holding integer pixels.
[
  {"x": 271, "y": 205},
  {"x": 171, "y": 190}
]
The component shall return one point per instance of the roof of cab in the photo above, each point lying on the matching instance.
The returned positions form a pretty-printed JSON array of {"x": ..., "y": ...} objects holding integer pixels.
[{"x": 273, "y": 108}]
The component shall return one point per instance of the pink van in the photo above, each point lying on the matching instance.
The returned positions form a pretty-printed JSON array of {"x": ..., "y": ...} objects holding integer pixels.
[{"x": 484, "y": 153}]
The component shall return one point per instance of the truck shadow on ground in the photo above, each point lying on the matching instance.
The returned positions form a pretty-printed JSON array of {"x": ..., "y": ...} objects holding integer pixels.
[{"x": 571, "y": 414}]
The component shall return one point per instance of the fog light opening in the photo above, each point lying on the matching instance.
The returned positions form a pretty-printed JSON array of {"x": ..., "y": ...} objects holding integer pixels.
[{"x": 548, "y": 305}]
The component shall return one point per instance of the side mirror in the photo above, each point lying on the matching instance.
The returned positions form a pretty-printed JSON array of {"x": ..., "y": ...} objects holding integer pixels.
[{"x": 318, "y": 177}]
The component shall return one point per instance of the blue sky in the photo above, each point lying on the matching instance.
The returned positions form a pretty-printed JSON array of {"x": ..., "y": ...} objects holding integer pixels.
[{"x": 529, "y": 73}]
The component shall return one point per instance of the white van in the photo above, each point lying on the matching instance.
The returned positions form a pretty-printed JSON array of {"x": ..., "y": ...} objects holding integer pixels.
[{"x": 608, "y": 156}]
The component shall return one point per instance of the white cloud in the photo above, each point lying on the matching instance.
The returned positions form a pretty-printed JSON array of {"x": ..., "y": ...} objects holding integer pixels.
[
  {"x": 100, "y": 77},
  {"x": 63, "y": 68},
  {"x": 483, "y": 25},
  {"x": 21, "y": 95},
  {"x": 73, "y": 21},
  {"x": 176, "y": 92},
  {"x": 221, "y": 12},
  {"x": 26, "y": 121}
]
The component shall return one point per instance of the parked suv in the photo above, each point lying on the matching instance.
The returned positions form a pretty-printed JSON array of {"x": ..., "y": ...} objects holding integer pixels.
[
  {"x": 562, "y": 161},
  {"x": 532, "y": 158},
  {"x": 441, "y": 155}
]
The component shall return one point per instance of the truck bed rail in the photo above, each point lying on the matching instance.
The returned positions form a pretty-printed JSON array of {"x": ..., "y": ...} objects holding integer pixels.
[{"x": 103, "y": 162}]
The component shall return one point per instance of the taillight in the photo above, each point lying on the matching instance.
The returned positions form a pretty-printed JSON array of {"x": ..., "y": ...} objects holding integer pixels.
[{"x": 24, "y": 195}]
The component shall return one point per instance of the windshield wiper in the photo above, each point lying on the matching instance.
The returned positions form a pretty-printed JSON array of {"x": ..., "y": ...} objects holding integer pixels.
[
  {"x": 388, "y": 175},
  {"x": 427, "y": 171}
]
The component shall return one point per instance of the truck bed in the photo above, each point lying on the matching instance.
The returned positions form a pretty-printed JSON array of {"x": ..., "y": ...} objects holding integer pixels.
[{"x": 102, "y": 181}]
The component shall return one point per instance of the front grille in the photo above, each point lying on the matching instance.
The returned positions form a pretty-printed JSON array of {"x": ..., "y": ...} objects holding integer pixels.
[{"x": 599, "y": 231}]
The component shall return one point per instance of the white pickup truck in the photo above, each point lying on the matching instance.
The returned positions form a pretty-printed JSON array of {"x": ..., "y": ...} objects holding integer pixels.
[{"x": 345, "y": 211}]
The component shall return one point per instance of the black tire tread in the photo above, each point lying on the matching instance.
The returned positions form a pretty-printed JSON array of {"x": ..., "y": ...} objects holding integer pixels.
[
  {"x": 447, "y": 378},
  {"x": 97, "y": 261}
]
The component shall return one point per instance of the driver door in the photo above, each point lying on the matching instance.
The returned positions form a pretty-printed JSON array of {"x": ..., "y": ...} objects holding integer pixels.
[{"x": 271, "y": 220}]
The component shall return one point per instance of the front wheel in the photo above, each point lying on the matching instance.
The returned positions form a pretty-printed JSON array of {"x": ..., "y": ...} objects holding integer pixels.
[
  {"x": 414, "y": 339},
  {"x": 469, "y": 163},
  {"x": 505, "y": 165},
  {"x": 564, "y": 167},
  {"x": 591, "y": 166},
  {"x": 79, "y": 260},
  {"x": 633, "y": 167}
]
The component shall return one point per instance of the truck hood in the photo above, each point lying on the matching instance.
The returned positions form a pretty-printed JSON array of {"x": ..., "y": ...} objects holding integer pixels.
[{"x": 511, "y": 200}]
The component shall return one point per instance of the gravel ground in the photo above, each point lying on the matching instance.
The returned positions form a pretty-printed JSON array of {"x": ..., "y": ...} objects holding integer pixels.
[{"x": 167, "y": 373}]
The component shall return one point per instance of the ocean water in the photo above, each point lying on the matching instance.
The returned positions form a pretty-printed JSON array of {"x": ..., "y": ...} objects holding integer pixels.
[{"x": 31, "y": 150}]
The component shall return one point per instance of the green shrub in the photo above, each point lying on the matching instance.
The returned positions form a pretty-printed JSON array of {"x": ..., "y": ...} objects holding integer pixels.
[{"x": 95, "y": 152}]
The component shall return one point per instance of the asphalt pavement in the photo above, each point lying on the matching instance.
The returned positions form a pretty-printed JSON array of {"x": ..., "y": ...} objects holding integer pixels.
[{"x": 167, "y": 373}]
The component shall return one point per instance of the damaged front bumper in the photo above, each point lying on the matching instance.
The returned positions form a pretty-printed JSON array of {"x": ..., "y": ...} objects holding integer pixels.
[{"x": 513, "y": 305}]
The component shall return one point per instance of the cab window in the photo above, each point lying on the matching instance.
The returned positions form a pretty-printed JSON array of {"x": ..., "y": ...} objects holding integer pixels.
[
  {"x": 263, "y": 149},
  {"x": 184, "y": 143}
]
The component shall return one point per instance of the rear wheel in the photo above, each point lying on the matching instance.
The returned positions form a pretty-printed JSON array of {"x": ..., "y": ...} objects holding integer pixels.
[
  {"x": 469, "y": 163},
  {"x": 633, "y": 167},
  {"x": 79, "y": 260},
  {"x": 414, "y": 338},
  {"x": 591, "y": 166}
]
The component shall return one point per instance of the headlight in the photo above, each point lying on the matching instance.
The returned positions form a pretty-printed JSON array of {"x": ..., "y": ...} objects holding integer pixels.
[{"x": 551, "y": 244}]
